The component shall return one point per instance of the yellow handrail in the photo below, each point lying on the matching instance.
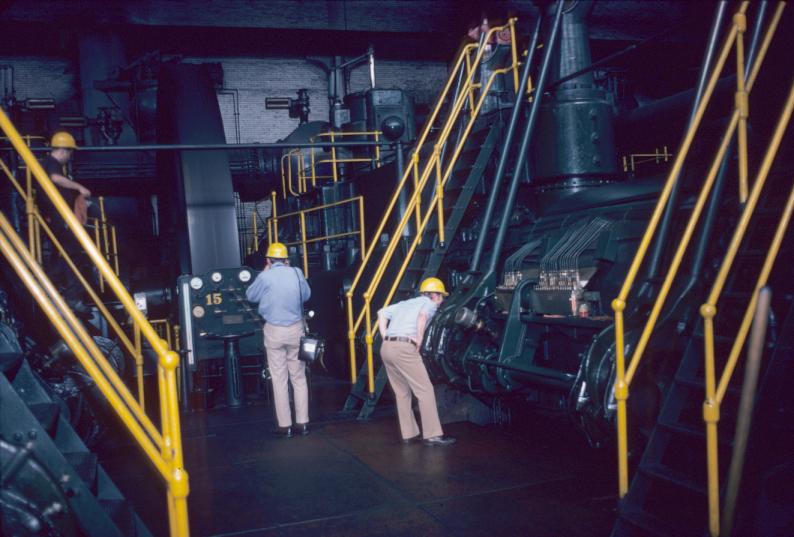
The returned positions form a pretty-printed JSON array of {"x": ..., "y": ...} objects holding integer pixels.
[
  {"x": 272, "y": 222},
  {"x": 716, "y": 393},
  {"x": 371, "y": 327},
  {"x": 414, "y": 204},
  {"x": 169, "y": 459},
  {"x": 41, "y": 224},
  {"x": 623, "y": 375}
]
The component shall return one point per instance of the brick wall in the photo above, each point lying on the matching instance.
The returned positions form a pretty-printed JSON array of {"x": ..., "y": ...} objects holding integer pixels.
[
  {"x": 255, "y": 79},
  {"x": 259, "y": 78},
  {"x": 46, "y": 78}
]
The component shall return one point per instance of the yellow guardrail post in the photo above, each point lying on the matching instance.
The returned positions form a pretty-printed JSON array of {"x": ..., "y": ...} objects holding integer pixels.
[
  {"x": 98, "y": 240},
  {"x": 362, "y": 236},
  {"x": 742, "y": 105},
  {"x": 303, "y": 243},
  {"x": 334, "y": 171},
  {"x": 139, "y": 364},
  {"x": 104, "y": 227},
  {"x": 445, "y": 177},
  {"x": 414, "y": 202},
  {"x": 645, "y": 244},
  {"x": 469, "y": 77},
  {"x": 377, "y": 149},
  {"x": 715, "y": 394},
  {"x": 514, "y": 51},
  {"x": 79, "y": 341},
  {"x": 621, "y": 395},
  {"x": 440, "y": 191},
  {"x": 351, "y": 337},
  {"x": 369, "y": 337},
  {"x": 415, "y": 167},
  {"x": 114, "y": 249},
  {"x": 283, "y": 178},
  {"x": 413, "y": 170}
]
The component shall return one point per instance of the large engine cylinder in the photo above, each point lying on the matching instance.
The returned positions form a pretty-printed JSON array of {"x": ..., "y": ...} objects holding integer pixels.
[{"x": 575, "y": 146}]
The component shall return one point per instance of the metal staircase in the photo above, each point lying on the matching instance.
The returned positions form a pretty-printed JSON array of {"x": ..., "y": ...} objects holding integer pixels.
[
  {"x": 429, "y": 254},
  {"x": 668, "y": 495},
  {"x": 52, "y": 483}
]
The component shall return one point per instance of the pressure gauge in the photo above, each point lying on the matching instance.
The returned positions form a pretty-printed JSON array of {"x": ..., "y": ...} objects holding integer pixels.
[
  {"x": 198, "y": 312},
  {"x": 216, "y": 277},
  {"x": 196, "y": 283},
  {"x": 244, "y": 276}
]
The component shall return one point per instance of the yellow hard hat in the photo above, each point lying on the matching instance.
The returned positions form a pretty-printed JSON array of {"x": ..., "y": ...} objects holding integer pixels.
[
  {"x": 63, "y": 139},
  {"x": 433, "y": 285},
  {"x": 277, "y": 251}
]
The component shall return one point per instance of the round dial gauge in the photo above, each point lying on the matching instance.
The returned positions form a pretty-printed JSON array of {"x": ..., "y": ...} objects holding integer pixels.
[
  {"x": 196, "y": 283},
  {"x": 198, "y": 312},
  {"x": 216, "y": 277},
  {"x": 245, "y": 276}
]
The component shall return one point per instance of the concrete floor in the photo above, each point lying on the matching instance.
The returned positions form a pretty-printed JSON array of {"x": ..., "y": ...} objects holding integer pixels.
[{"x": 351, "y": 478}]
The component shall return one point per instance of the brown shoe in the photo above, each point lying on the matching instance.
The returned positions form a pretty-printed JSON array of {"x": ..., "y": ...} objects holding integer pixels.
[{"x": 302, "y": 428}]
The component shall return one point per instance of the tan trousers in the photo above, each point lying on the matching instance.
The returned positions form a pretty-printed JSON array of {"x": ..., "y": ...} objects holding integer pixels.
[
  {"x": 282, "y": 345},
  {"x": 407, "y": 374}
]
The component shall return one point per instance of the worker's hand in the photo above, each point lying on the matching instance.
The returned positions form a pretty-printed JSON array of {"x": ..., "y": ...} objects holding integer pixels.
[{"x": 84, "y": 191}]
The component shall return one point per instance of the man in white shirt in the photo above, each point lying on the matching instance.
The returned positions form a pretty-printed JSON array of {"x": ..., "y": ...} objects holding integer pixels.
[{"x": 402, "y": 327}]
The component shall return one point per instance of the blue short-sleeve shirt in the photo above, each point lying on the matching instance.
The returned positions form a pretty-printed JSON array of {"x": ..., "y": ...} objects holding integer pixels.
[
  {"x": 278, "y": 291},
  {"x": 403, "y": 315}
]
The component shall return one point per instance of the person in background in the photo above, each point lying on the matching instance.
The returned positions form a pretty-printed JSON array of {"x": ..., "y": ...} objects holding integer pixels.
[
  {"x": 402, "y": 327},
  {"x": 76, "y": 197},
  {"x": 280, "y": 291}
]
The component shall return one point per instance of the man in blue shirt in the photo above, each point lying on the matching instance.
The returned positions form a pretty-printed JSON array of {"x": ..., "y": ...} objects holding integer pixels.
[
  {"x": 281, "y": 291},
  {"x": 402, "y": 327}
]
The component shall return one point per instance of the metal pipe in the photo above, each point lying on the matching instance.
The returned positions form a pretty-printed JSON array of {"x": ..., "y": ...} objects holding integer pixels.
[
  {"x": 524, "y": 147},
  {"x": 744, "y": 420},
  {"x": 714, "y": 203},
  {"x": 561, "y": 379},
  {"x": 213, "y": 147},
  {"x": 657, "y": 251},
  {"x": 503, "y": 158}
]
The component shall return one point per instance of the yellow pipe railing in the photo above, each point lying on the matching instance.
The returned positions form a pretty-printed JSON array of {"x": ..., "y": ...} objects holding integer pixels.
[
  {"x": 371, "y": 327},
  {"x": 414, "y": 203},
  {"x": 272, "y": 223},
  {"x": 168, "y": 460},
  {"x": 716, "y": 393},
  {"x": 623, "y": 375},
  {"x": 40, "y": 224},
  {"x": 304, "y": 172}
]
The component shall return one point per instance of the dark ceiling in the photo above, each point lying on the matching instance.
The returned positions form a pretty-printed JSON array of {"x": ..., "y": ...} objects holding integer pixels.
[{"x": 420, "y": 29}]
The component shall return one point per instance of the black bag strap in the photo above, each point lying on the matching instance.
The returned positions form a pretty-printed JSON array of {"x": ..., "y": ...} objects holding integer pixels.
[{"x": 300, "y": 293}]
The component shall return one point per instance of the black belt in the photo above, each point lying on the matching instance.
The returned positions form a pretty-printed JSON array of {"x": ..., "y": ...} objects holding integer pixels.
[{"x": 402, "y": 339}]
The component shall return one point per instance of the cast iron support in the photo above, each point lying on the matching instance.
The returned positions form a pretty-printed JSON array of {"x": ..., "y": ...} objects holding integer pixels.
[
  {"x": 524, "y": 147},
  {"x": 508, "y": 141}
]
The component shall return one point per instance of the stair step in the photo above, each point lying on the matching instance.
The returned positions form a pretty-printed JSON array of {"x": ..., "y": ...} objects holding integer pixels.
[
  {"x": 122, "y": 514},
  {"x": 682, "y": 428},
  {"x": 650, "y": 525},
  {"x": 700, "y": 383},
  {"x": 47, "y": 415},
  {"x": 85, "y": 465},
  {"x": 659, "y": 471}
]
